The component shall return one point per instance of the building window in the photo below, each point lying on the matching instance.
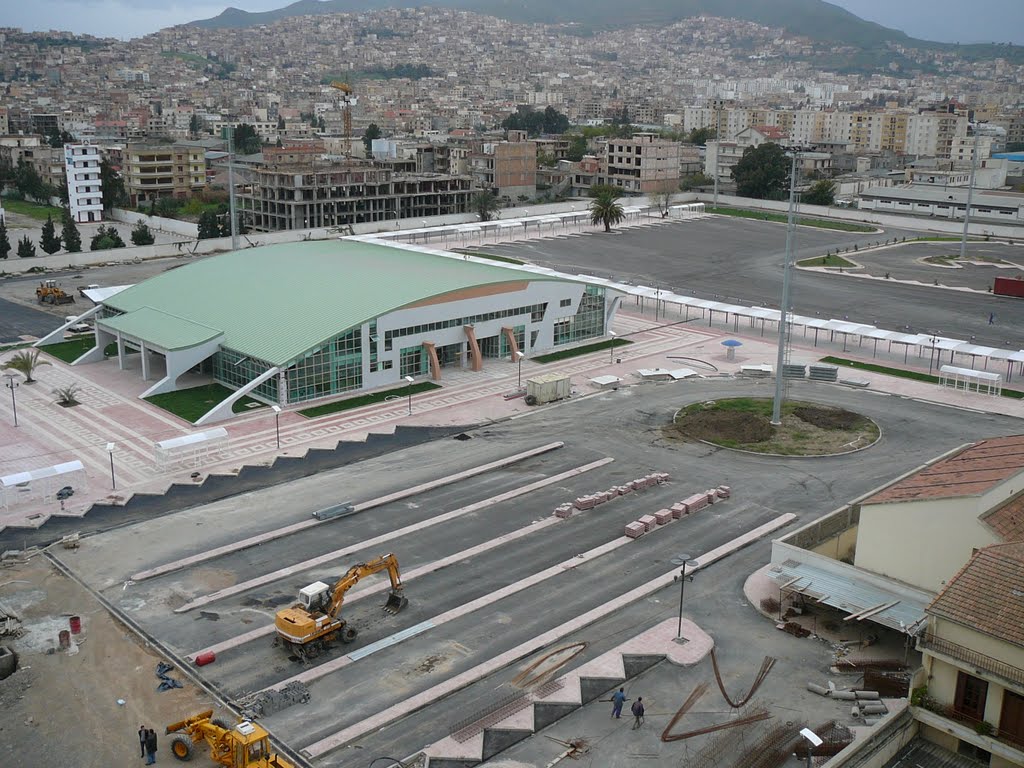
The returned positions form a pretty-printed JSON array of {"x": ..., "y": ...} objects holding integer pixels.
[
  {"x": 1011, "y": 720},
  {"x": 971, "y": 694},
  {"x": 235, "y": 370},
  {"x": 587, "y": 323},
  {"x": 565, "y": 303}
]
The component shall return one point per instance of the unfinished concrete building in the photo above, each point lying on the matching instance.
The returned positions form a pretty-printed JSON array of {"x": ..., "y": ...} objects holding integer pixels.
[{"x": 329, "y": 194}]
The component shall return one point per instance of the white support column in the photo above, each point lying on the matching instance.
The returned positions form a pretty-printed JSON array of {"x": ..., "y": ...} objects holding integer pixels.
[
  {"x": 120, "y": 351},
  {"x": 144, "y": 353}
]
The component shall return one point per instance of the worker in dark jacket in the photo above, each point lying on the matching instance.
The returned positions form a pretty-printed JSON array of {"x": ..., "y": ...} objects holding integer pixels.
[
  {"x": 637, "y": 709},
  {"x": 150, "y": 747},
  {"x": 142, "y": 741}
]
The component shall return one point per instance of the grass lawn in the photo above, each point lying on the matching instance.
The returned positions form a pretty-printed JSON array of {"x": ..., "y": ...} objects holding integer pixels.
[
  {"x": 826, "y": 261},
  {"x": 843, "y": 226},
  {"x": 71, "y": 350},
  {"x": 371, "y": 399},
  {"x": 190, "y": 404},
  {"x": 902, "y": 373},
  {"x": 33, "y": 210},
  {"x": 562, "y": 354},
  {"x": 491, "y": 256}
]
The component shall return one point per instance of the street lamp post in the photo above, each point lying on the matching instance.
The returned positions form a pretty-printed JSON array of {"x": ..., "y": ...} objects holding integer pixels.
[
  {"x": 611, "y": 348},
  {"x": 277, "y": 423},
  {"x": 110, "y": 450},
  {"x": 685, "y": 561},
  {"x": 931, "y": 357},
  {"x": 813, "y": 740},
  {"x": 410, "y": 380},
  {"x": 12, "y": 385},
  {"x": 519, "y": 359}
]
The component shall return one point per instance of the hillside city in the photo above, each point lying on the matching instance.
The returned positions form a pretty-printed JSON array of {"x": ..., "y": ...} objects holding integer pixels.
[
  {"x": 416, "y": 388},
  {"x": 438, "y": 88}
]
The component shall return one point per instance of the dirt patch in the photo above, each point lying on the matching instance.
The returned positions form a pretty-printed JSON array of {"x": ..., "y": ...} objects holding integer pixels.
[
  {"x": 806, "y": 429},
  {"x": 63, "y": 710},
  {"x": 828, "y": 418},
  {"x": 734, "y": 426}
]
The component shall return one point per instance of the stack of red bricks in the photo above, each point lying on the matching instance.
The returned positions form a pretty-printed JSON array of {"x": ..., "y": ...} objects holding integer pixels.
[
  {"x": 687, "y": 506},
  {"x": 593, "y": 499}
]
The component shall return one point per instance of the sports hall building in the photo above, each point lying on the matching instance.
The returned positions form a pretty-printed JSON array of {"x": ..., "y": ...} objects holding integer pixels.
[{"x": 297, "y": 322}]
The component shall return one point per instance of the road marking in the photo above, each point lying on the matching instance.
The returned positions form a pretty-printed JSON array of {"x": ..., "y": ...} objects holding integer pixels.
[
  {"x": 436, "y": 693},
  {"x": 339, "y": 553},
  {"x": 362, "y": 506}
]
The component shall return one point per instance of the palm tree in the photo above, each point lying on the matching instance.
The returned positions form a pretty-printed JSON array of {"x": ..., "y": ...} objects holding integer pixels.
[
  {"x": 485, "y": 205},
  {"x": 606, "y": 209},
  {"x": 25, "y": 362}
]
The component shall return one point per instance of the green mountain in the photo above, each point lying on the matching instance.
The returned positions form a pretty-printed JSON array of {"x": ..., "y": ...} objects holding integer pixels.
[{"x": 812, "y": 18}]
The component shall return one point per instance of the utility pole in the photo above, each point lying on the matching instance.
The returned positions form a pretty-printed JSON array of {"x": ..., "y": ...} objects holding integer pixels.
[
  {"x": 231, "y": 188},
  {"x": 970, "y": 195},
  {"x": 717, "y": 103},
  {"x": 783, "y": 339}
]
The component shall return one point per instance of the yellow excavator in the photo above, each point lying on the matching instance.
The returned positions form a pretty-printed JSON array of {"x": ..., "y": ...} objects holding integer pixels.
[
  {"x": 311, "y": 625},
  {"x": 244, "y": 745}
]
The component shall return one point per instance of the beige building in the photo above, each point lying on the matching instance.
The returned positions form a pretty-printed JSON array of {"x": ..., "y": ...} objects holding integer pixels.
[
  {"x": 937, "y": 555},
  {"x": 507, "y": 168},
  {"x": 973, "y": 653},
  {"x": 167, "y": 170},
  {"x": 642, "y": 164}
]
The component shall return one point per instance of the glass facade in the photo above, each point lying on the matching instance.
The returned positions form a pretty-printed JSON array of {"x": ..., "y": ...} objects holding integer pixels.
[
  {"x": 536, "y": 312},
  {"x": 333, "y": 368},
  {"x": 235, "y": 370},
  {"x": 413, "y": 362},
  {"x": 587, "y": 323}
]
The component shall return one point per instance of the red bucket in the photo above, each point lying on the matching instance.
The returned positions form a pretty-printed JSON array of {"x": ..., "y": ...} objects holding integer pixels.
[
  {"x": 206, "y": 657},
  {"x": 76, "y": 624}
]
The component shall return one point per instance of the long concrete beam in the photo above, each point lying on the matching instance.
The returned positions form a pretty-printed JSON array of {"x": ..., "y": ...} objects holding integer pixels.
[
  {"x": 322, "y": 670},
  {"x": 470, "y": 676},
  {"x": 277, "y": 533},
  {"x": 305, "y": 565}
]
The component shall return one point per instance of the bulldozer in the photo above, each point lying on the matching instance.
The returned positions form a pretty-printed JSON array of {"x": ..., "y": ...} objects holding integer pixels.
[
  {"x": 311, "y": 625},
  {"x": 243, "y": 745},
  {"x": 49, "y": 292}
]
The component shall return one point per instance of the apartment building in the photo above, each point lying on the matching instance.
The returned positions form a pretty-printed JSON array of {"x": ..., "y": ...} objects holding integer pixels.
[
  {"x": 931, "y": 134},
  {"x": 36, "y": 152},
  {"x": 642, "y": 164},
  {"x": 165, "y": 170},
  {"x": 507, "y": 168},
  {"x": 335, "y": 194},
  {"x": 973, "y": 657},
  {"x": 85, "y": 191}
]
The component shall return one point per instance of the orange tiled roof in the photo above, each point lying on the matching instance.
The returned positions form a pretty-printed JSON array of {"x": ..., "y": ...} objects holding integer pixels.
[
  {"x": 1008, "y": 520},
  {"x": 969, "y": 472},
  {"x": 987, "y": 594}
]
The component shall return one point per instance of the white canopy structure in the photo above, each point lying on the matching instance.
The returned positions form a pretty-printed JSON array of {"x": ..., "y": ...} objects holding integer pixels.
[{"x": 41, "y": 484}]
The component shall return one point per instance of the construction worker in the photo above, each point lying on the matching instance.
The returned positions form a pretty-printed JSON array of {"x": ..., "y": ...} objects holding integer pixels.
[{"x": 618, "y": 699}]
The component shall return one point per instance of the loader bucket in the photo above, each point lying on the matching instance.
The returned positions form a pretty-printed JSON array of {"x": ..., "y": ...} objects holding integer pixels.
[{"x": 396, "y": 602}]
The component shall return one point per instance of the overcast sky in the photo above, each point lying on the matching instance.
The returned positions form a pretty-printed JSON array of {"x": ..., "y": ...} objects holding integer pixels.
[{"x": 944, "y": 20}]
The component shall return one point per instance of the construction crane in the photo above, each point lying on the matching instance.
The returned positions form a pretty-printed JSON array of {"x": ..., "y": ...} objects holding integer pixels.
[
  {"x": 309, "y": 627},
  {"x": 348, "y": 98}
]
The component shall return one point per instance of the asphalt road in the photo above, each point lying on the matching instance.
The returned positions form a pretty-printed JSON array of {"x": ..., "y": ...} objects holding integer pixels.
[
  {"x": 626, "y": 425},
  {"x": 741, "y": 261},
  {"x": 18, "y": 320},
  {"x": 905, "y": 262}
]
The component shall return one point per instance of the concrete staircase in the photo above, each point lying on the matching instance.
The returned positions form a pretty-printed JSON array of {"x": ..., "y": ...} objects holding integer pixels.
[{"x": 520, "y": 715}]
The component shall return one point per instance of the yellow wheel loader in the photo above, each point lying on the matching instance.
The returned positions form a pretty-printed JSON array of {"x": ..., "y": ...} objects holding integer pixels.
[
  {"x": 243, "y": 745},
  {"x": 310, "y": 626}
]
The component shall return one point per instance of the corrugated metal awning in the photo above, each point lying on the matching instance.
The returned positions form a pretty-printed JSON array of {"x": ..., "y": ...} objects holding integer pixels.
[{"x": 900, "y": 607}]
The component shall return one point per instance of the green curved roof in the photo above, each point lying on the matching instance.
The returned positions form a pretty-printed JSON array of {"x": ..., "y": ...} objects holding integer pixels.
[{"x": 276, "y": 302}]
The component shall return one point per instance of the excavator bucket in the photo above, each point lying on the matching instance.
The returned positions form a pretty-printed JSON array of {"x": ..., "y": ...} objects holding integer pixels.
[{"x": 396, "y": 602}]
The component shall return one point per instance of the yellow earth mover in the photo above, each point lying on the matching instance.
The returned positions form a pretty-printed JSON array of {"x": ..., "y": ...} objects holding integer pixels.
[
  {"x": 309, "y": 627},
  {"x": 244, "y": 745}
]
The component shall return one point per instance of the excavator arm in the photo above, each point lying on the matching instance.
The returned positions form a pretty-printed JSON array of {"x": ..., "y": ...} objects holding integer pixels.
[{"x": 388, "y": 562}]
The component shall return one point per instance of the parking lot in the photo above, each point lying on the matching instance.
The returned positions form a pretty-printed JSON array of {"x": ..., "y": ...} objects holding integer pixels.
[{"x": 741, "y": 261}]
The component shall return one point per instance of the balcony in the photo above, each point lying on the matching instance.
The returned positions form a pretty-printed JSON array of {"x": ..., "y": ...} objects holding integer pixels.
[{"x": 979, "y": 661}]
